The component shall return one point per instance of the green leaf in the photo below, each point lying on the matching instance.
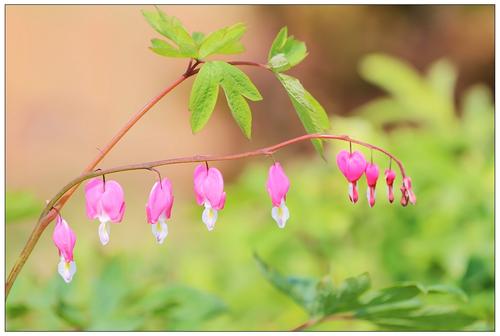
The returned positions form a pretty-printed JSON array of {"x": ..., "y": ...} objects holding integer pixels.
[
  {"x": 21, "y": 205},
  {"x": 239, "y": 108},
  {"x": 301, "y": 290},
  {"x": 172, "y": 28},
  {"x": 198, "y": 37},
  {"x": 447, "y": 289},
  {"x": 310, "y": 112},
  {"x": 164, "y": 48},
  {"x": 419, "y": 97},
  {"x": 286, "y": 52},
  {"x": 223, "y": 41},
  {"x": 397, "y": 307},
  {"x": 394, "y": 294},
  {"x": 346, "y": 296},
  {"x": 234, "y": 77},
  {"x": 204, "y": 95},
  {"x": 278, "y": 43},
  {"x": 237, "y": 86}
]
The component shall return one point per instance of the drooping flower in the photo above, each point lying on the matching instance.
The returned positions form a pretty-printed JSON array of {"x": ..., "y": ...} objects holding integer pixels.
[
  {"x": 371, "y": 173},
  {"x": 407, "y": 192},
  {"x": 352, "y": 165},
  {"x": 104, "y": 201},
  {"x": 159, "y": 208},
  {"x": 64, "y": 238},
  {"x": 277, "y": 187},
  {"x": 209, "y": 191},
  {"x": 390, "y": 175}
]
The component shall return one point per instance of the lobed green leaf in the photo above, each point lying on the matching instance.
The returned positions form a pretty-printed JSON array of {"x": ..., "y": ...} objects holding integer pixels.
[
  {"x": 312, "y": 115},
  {"x": 286, "y": 52},
  {"x": 204, "y": 95},
  {"x": 172, "y": 28},
  {"x": 223, "y": 41}
]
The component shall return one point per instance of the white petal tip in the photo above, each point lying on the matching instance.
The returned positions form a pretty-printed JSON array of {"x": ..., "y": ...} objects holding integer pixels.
[
  {"x": 160, "y": 231},
  {"x": 67, "y": 270},
  {"x": 104, "y": 232},
  {"x": 209, "y": 217},
  {"x": 280, "y": 215}
]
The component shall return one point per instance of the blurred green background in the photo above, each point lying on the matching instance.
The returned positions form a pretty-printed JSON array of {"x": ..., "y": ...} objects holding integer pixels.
[{"x": 416, "y": 80}]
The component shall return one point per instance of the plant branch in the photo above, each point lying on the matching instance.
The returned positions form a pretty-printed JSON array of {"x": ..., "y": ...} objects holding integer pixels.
[
  {"x": 49, "y": 213},
  {"x": 266, "y": 151}
]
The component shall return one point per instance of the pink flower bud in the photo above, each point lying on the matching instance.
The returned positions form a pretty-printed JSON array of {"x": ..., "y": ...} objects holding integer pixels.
[
  {"x": 409, "y": 191},
  {"x": 104, "y": 201},
  {"x": 404, "y": 196},
  {"x": 390, "y": 175},
  {"x": 277, "y": 187},
  {"x": 159, "y": 208},
  {"x": 371, "y": 173},
  {"x": 64, "y": 238},
  {"x": 209, "y": 191},
  {"x": 352, "y": 165}
]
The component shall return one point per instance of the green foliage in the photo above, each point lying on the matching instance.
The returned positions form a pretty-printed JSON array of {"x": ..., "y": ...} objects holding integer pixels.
[
  {"x": 21, "y": 205},
  {"x": 286, "y": 52},
  {"x": 204, "y": 95},
  {"x": 310, "y": 112},
  {"x": 223, "y": 41},
  {"x": 171, "y": 28},
  {"x": 398, "y": 307},
  {"x": 116, "y": 300},
  {"x": 236, "y": 85}
]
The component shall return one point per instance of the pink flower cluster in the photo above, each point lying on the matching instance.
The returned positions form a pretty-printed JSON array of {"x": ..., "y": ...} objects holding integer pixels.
[
  {"x": 105, "y": 201},
  {"x": 353, "y": 166}
]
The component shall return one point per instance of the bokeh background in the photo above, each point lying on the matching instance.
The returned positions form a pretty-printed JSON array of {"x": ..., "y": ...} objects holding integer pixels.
[{"x": 415, "y": 79}]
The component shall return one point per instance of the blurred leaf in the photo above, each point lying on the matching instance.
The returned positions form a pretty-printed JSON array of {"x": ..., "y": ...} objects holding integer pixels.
[
  {"x": 395, "y": 307},
  {"x": 223, "y": 41},
  {"x": 72, "y": 315},
  {"x": 172, "y": 28},
  {"x": 310, "y": 112},
  {"x": 346, "y": 296},
  {"x": 21, "y": 205},
  {"x": 180, "y": 307},
  {"x": 447, "y": 289},
  {"x": 16, "y": 310},
  {"x": 301, "y": 290},
  {"x": 442, "y": 77},
  {"x": 204, "y": 95},
  {"x": 198, "y": 38},
  {"x": 286, "y": 52},
  {"x": 393, "y": 294},
  {"x": 419, "y": 97}
]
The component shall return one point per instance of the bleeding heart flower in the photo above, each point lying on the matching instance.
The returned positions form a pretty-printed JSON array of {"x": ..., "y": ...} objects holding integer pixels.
[
  {"x": 408, "y": 189},
  {"x": 209, "y": 191},
  {"x": 390, "y": 175},
  {"x": 159, "y": 208},
  {"x": 352, "y": 165},
  {"x": 105, "y": 201},
  {"x": 371, "y": 173},
  {"x": 64, "y": 238},
  {"x": 277, "y": 187}
]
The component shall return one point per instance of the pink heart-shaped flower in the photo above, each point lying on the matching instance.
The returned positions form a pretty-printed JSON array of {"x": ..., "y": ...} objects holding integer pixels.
[{"x": 352, "y": 165}]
